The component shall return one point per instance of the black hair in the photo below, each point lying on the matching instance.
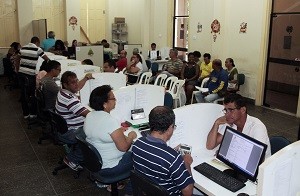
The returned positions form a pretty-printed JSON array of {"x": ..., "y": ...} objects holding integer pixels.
[
  {"x": 59, "y": 43},
  {"x": 51, "y": 65},
  {"x": 15, "y": 45},
  {"x": 207, "y": 55},
  {"x": 35, "y": 40},
  {"x": 65, "y": 77},
  {"x": 111, "y": 63},
  {"x": 191, "y": 53},
  {"x": 160, "y": 118},
  {"x": 139, "y": 57},
  {"x": 99, "y": 96},
  {"x": 153, "y": 44},
  {"x": 197, "y": 54},
  {"x": 44, "y": 66},
  {"x": 237, "y": 99},
  {"x": 87, "y": 62},
  {"x": 217, "y": 62},
  {"x": 231, "y": 61}
]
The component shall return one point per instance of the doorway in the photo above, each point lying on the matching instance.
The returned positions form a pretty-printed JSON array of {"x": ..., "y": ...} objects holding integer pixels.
[{"x": 283, "y": 75}]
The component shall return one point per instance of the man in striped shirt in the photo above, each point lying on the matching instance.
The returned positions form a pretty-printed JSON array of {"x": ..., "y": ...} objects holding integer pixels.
[
  {"x": 159, "y": 162},
  {"x": 29, "y": 57},
  {"x": 70, "y": 108}
]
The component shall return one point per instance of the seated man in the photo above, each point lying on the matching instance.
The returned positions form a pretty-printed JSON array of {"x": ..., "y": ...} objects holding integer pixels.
[
  {"x": 122, "y": 62},
  {"x": 154, "y": 54},
  {"x": 217, "y": 84},
  {"x": 205, "y": 67},
  {"x": 48, "y": 85},
  {"x": 236, "y": 116},
  {"x": 159, "y": 162},
  {"x": 174, "y": 65},
  {"x": 109, "y": 66},
  {"x": 69, "y": 107}
]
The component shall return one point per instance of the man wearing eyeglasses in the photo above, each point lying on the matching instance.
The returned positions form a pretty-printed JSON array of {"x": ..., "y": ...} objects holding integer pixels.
[
  {"x": 236, "y": 116},
  {"x": 159, "y": 162}
]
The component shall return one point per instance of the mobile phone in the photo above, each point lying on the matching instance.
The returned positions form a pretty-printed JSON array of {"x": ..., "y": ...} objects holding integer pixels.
[{"x": 185, "y": 149}]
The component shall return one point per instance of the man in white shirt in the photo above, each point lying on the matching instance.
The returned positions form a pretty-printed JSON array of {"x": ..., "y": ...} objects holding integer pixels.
[
  {"x": 236, "y": 116},
  {"x": 154, "y": 54}
]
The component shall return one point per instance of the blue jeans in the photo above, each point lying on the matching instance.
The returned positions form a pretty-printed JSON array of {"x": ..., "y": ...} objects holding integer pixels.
[
  {"x": 120, "y": 171},
  {"x": 75, "y": 155},
  {"x": 206, "y": 99},
  {"x": 124, "y": 167}
]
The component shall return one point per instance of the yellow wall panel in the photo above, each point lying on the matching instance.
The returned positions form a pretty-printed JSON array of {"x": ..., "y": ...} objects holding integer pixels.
[{"x": 8, "y": 22}]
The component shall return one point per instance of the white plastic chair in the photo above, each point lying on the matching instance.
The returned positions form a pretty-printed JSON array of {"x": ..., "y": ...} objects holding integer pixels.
[
  {"x": 160, "y": 79},
  {"x": 175, "y": 92},
  {"x": 202, "y": 85},
  {"x": 170, "y": 81},
  {"x": 219, "y": 100},
  {"x": 145, "y": 78}
]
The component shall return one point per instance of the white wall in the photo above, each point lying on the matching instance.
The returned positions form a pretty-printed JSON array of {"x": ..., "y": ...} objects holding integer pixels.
[
  {"x": 147, "y": 21},
  {"x": 244, "y": 48},
  {"x": 73, "y": 9},
  {"x": 25, "y": 17}
]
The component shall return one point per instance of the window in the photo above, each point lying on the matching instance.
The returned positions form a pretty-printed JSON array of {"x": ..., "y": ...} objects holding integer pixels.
[{"x": 180, "y": 27}]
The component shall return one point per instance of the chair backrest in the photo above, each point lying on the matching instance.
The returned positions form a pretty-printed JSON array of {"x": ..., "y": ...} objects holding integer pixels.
[
  {"x": 160, "y": 79},
  {"x": 170, "y": 82},
  {"x": 58, "y": 123},
  {"x": 277, "y": 143},
  {"x": 145, "y": 78},
  {"x": 143, "y": 186},
  {"x": 204, "y": 81},
  {"x": 40, "y": 98},
  {"x": 8, "y": 67},
  {"x": 148, "y": 63},
  {"x": 175, "y": 90},
  {"x": 92, "y": 158},
  {"x": 241, "y": 79},
  {"x": 168, "y": 101}
]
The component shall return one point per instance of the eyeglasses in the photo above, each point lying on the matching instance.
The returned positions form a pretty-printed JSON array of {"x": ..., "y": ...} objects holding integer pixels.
[
  {"x": 174, "y": 126},
  {"x": 228, "y": 110}
]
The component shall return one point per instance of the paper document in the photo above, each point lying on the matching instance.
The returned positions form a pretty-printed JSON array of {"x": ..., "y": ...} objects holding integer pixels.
[{"x": 203, "y": 90}]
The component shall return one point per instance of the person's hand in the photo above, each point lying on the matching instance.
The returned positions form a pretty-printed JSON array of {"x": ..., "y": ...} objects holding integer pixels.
[
  {"x": 89, "y": 76},
  {"x": 123, "y": 129},
  {"x": 132, "y": 134},
  {"x": 221, "y": 120},
  {"x": 188, "y": 160}
]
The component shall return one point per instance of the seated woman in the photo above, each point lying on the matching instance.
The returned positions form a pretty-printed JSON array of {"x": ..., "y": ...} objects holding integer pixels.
[
  {"x": 232, "y": 75},
  {"x": 190, "y": 72},
  {"x": 106, "y": 135},
  {"x": 48, "y": 85},
  {"x": 15, "y": 56},
  {"x": 134, "y": 68},
  {"x": 59, "y": 48}
]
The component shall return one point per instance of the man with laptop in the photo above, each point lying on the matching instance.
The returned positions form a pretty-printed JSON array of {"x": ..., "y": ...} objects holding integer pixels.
[{"x": 236, "y": 116}]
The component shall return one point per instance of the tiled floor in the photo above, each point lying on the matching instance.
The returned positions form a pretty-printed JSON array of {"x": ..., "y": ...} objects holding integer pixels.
[{"x": 26, "y": 167}]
